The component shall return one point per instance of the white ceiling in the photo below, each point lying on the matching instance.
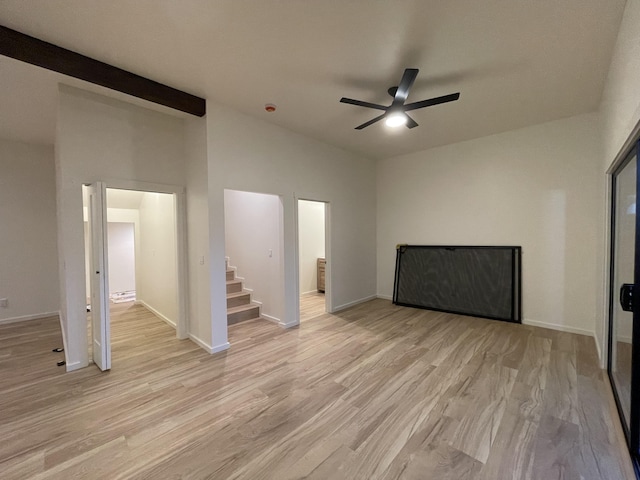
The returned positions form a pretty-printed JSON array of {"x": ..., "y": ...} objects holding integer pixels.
[{"x": 515, "y": 62}]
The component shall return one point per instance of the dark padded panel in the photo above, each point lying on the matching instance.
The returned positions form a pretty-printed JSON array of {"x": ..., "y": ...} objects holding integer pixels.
[{"x": 478, "y": 281}]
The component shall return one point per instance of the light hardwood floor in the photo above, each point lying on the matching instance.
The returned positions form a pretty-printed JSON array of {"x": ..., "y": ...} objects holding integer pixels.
[
  {"x": 312, "y": 305},
  {"x": 374, "y": 392}
]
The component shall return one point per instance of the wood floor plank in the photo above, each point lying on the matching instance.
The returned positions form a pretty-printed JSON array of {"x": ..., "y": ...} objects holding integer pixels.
[
  {"x": 561, "y": 392},
  {"x": 27, "y": 465},
  {"x": 443, "y": 462},
  {"x": 556, "y": 450},
  {"x": 479, "y": 407},
  {"x": 376, "y": 391},
  {"x": 312, "y": 305}
]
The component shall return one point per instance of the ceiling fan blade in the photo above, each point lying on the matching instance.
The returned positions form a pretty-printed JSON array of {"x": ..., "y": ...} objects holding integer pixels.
[
  {"x": 408, "y": 77},
  {"x": 411, "y": 123},
  {"x": 432, "y": 101},
  {"x": 370, "y": 122},
  {"x": 360, "y": 103}
]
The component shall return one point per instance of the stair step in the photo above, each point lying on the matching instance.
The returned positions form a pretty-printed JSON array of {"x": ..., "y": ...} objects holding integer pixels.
[
  {"x": 237, "y": 299},
  {"x": 234, "y": 286},
  {"x": 231, "y": 274},
  {"x": 242, "y": 313}
]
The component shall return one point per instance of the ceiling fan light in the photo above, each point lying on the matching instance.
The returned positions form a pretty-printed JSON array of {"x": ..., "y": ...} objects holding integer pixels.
[{"x": 395, "y": 120}]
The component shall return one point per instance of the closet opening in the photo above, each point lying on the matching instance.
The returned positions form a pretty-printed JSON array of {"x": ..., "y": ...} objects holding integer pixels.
[{"x": 312, "y": 258}]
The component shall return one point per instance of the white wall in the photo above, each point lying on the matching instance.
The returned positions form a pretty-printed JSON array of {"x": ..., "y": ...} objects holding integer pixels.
[
  {"x": 120, "y": 215},
  {"x": 28, "y": 251},
  {"x": 620, "y": 105},
  {"x": 248, "y": 154},
  {"x": 311, "y": 243},
  {"x": 198, "y": 234},
  {"x": 539, "y": 187},
  {"x": 619, "y": 113},
  {"x": 253, "y": 244},
  {"x": 157, "y": 286},
  {"x": 122, "y": 257},
  {"x": 101, "y": 139}
]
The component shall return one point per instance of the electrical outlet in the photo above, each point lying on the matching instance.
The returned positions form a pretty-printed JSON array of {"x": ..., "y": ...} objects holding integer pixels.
[{"x": 4, "y": 303}]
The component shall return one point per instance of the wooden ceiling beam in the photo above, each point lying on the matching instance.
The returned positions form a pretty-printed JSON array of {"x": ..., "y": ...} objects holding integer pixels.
[{"x": 31, "y": 50}]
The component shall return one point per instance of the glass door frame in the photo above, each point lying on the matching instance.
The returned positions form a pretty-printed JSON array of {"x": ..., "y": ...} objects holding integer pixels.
[{"x": 632, "y": 430}]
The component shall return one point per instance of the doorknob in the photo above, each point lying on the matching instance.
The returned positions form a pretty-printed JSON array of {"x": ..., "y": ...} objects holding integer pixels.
[{"x": 626, "y": 297}]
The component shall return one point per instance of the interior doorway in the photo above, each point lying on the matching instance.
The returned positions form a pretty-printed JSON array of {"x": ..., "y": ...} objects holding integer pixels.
[
  {"x": 133, "y": 263},
  {"x": 312, "y": 258},
  {"x": 254, "y": 250}
]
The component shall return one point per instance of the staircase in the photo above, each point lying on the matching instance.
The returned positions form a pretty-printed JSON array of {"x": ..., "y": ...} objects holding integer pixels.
[{"x": 239, "y": 305}]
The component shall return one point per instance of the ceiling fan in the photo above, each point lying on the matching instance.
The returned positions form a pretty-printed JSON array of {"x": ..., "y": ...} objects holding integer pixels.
[{"x": 396, "y": 113}]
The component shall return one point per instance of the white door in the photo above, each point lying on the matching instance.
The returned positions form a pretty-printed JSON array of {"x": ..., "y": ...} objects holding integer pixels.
[{"x": 100, "y": 324}]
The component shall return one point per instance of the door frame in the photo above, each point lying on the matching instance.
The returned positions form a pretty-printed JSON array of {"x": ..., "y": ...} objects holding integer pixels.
[
  {"x": 628, "y": 430},
  {"x": 282, "y": 296},
  {"x": 328, "y": 289},
  {"x": 632, "y": 430},
  {"x": 620, "y": 157},
  {"x": 179, "y": 205},
  {"x": 99, "y": 275}
]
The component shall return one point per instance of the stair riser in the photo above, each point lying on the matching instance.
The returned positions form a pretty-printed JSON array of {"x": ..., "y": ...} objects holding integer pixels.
[
  {"x": 231, "y": 275},
  {"x": 237, "y": 301},
  {"x": 235, "y": 287},
  {"x": 248, "y": 314}
]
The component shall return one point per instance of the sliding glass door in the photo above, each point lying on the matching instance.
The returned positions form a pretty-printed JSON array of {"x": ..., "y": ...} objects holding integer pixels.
[{"x": 624, "y": 311}]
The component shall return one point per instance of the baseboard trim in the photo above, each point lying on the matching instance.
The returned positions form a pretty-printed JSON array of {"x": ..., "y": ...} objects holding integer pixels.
[
  {"x": 289, "y": 325},
  {"x": 220, "y": 348},
  {"x": 168, "y": 321},
  {"x": 561, "y": 328},
  {"x": 354, "y": 303},
  {"x": 26, "y": 318},
  {"x": 208, "y": 348},
  {"x": 272, "y": 319},
  {"x": 385, "y": 297},
  {"x": 75, "y": 366}
]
